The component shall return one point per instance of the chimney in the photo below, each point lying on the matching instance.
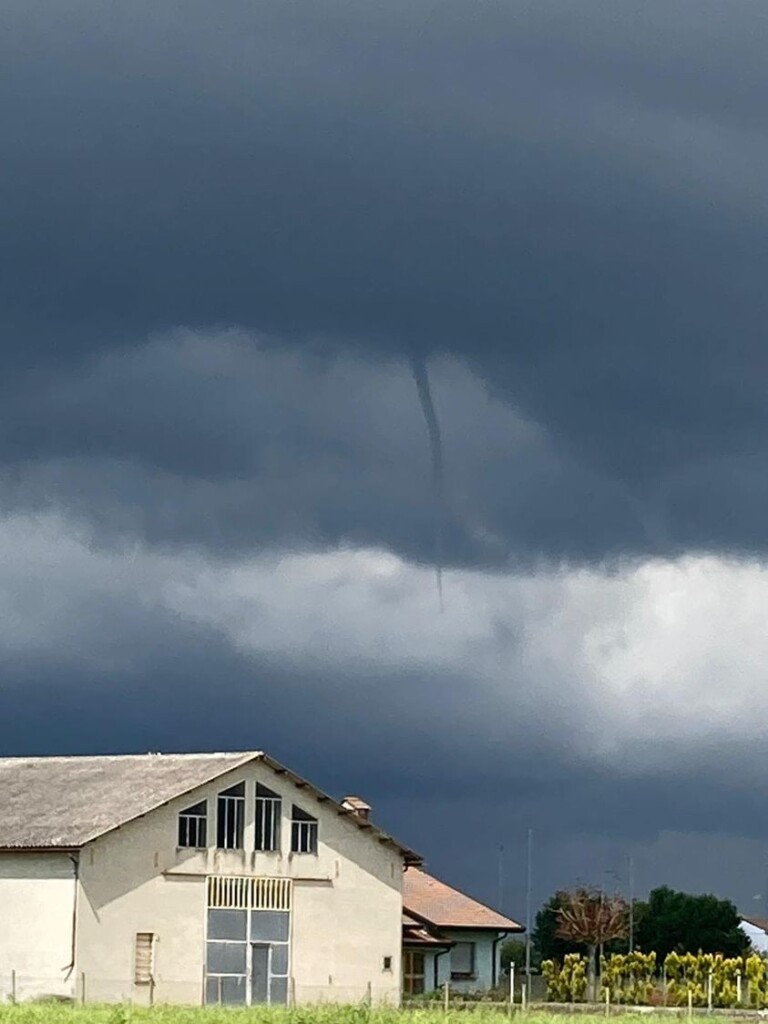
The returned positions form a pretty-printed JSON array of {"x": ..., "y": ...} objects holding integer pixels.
[{"x": 358, "y": 806}]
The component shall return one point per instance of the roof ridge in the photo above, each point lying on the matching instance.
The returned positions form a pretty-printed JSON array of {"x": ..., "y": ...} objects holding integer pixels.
[{"x": 124, "y": 757}]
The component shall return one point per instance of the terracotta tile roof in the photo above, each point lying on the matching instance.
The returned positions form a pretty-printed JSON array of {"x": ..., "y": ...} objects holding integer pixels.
[
  {"x": 430, "y": 900},
  {"x": 415, "y": 933}
]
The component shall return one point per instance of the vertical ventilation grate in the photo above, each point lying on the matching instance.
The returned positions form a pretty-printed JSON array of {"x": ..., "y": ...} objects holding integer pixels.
[{"x": 237, "y": 893}]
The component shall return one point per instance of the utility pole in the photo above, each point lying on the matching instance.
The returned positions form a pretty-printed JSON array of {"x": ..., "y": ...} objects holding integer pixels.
[
  {"x": 500, "y": 903},
  {"x": 528, "y": 912},
  {"x": 631, "y": 904}
]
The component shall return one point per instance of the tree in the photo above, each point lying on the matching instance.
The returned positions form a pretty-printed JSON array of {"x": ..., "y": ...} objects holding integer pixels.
[
  {"x": 592, "y": 918},
  {"x": 545, "y": 940},
  {"x": 685, "y": 923},
  {"x": 548, "y": 945},
  {"x": 513, "y": 952}
]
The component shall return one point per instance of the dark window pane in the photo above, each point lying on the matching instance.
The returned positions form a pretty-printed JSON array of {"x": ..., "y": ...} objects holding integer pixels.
[
  {"x": 298, "y": 815},
  {"x": 230, "y": 819},
  {"x": 212, "y": 990},
  {"x": 192, "y": 826},
  {"x": 278, "y": 991},
  {"x": 238, "y": 790},
  {"x": 463, "y": 958},
  {"x": 304, "y": 836},
  {"x": 269, "y": 925},
  {"x": 233, "y": 991},
  {"x": 227, "y": 924},
  {"x": 259, "y": 974},
  {"x": 267, "y": 820},
  {"x": 280, "y": 959},
  {"x": 226, "y": 957}
]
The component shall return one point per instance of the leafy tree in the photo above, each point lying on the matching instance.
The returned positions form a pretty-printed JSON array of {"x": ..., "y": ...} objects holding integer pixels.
[
  {"x": 513, "y": 952},
  {"x": 592, "y": 918},
  {"x": 681, "y": 922}
]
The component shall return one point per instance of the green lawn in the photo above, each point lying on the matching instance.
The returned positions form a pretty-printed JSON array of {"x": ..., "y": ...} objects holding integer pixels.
[{"x": 57, "y": 1013}]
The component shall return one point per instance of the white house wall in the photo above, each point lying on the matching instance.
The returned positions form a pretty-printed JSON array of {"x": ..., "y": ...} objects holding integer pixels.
[
  {"x": 757, "y": 936},
  {"x": 37, "y": 896},
  {"x": 346, "y": 901}
]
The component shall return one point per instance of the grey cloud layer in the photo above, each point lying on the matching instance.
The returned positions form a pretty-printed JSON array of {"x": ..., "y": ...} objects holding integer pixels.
[
  {"x": 226, "y": 441},
  {"x": 566, "y": 196}
]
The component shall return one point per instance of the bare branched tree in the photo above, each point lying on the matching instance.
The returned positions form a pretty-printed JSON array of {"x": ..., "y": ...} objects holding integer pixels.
[{"x": 592, "y": 917}]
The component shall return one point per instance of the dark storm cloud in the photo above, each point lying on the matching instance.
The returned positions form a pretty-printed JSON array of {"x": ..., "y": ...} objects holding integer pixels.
[
  {"x": 227, "y": 442},
  {"x": 528, "y": 181},
  {"x": 567, "y": 196}
]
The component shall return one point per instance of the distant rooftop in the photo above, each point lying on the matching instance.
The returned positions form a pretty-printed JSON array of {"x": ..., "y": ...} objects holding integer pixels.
[{"x": 429, "y": 899}]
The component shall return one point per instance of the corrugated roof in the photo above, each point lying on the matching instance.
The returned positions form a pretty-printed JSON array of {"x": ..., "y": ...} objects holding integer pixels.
[
  {"x": 64, "y": 802},
  {"x": 49, "y": 802},
  {"x": 430, "y": 900}
]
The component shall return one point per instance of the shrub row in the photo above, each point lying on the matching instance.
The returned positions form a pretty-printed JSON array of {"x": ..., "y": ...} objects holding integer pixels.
[{"x": 635, "y": 979}]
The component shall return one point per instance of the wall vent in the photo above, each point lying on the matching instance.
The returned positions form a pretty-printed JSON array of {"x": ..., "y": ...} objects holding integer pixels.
[{"x": 237, "y": 893}]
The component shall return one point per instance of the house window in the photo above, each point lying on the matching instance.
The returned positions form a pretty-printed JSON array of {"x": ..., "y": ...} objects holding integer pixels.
[
  {"x": 231, "y": 818},
  {"x": 387, "y": 963},
  {"x": 303, "y": 831},
  {"x": 413, "y": 972},
  {"x": 463, "y": 960},
  {"x": 193, "y": 826},
  {"x": 144, "y": 958},
  {"x": 267, "y": 819}
]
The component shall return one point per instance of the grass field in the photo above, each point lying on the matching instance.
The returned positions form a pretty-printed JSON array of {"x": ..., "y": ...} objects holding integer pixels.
[{"x": 57, "y": 1013}]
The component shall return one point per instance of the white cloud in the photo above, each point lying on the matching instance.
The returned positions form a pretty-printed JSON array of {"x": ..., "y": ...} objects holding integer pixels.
[{"x": 650, "y": 663}]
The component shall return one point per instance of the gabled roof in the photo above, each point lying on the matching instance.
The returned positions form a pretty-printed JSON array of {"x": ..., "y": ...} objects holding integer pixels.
[
  {"x": 415, "y": 933},
  {"x": 64, "y": 802},
  {"x": 432, "y": 901}
]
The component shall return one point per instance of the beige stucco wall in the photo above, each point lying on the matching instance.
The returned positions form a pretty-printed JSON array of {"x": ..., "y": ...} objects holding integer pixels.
[
  {"x": 37, "y": 893},
  {"x": 346, "y": 901}
]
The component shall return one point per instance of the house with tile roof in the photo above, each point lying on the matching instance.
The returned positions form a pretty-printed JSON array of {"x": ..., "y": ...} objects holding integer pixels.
[
  {"x": 448, "y": 937},
  {"x": 193, "y": 878},
  {"x": 756, "y": 930}
]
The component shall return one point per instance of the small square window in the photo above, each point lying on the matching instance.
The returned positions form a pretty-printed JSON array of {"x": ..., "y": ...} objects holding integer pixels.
[
  {"x": 387, "y": 963},
  {"x": 463, "y": 960}
]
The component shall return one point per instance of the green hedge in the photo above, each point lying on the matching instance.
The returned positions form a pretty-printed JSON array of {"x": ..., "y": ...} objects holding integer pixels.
[{"x": 635, "y": 979}]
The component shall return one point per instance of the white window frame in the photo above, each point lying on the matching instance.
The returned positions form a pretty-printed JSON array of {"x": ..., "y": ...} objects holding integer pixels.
[
  {"x": 269, "y": 809},
  {"x": 304, "y": 831},
  {"x": 190, "y": 825},
  {"x": 232, "y": 807}
]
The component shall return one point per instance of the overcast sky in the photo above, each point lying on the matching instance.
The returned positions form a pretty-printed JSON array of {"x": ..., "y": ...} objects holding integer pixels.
[{"x": 242, "y": 246}]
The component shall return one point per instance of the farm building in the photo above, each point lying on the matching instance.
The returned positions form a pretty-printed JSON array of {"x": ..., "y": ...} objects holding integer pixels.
[
  {"x": 218, "y": 878},
  {"x": 448, "y": 937}
]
